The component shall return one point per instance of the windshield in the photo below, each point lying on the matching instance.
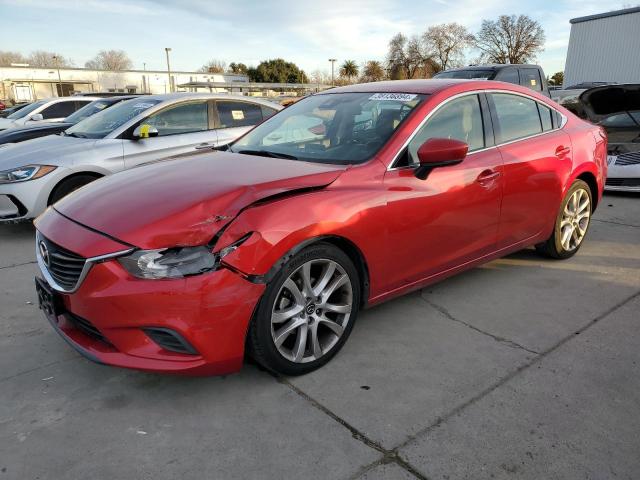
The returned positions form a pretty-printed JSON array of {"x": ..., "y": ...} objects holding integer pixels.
[
  {"x": 23, "y": 112},
  {"x": 103, "y": 123},
  {"x": 339, "y": 128},
  {"x": 467, "y": 74},
  {"x": 88, "y": 110}
]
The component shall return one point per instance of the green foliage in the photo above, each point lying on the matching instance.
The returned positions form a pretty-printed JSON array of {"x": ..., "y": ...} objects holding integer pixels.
[{"x": 277, "y": 71}]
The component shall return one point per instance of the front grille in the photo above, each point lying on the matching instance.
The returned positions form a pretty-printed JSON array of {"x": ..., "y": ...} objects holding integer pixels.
[
  {"x": 623, "y": 182},
  {"x": 86, "y": 327},
  {"x": 65, "y": 267},
  {"x": 631, "y": 158}
]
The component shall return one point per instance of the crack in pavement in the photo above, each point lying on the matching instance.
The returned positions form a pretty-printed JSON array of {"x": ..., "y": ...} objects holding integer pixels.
[
  {"x": 388, "y": 456},
  {"x": 18, "y": 265},
  {"x": 617, "y": 223},
  {"x": 392, "y": 455},
  {"x": 497, "y": 338}
]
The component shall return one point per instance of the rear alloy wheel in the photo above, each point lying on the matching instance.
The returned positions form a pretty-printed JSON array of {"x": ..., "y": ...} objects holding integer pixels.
[
  {"x": 572, "y": 223},
  {"x": 307, "y": 312}
]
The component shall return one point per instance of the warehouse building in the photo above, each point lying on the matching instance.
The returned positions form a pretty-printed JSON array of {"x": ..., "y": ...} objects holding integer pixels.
[
  {"x": 604, "y": 48},
  {"x": 26, "y": 84}
]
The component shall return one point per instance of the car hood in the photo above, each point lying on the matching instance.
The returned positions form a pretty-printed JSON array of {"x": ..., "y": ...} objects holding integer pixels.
[
  {"x": 186, "y": 202},
  {"x": 45, "y": 150},
  {"x": 600, "y": 102}
]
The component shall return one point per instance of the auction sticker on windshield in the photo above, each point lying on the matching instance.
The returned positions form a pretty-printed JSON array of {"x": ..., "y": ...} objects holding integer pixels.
[{"x": 402, "y": 97}]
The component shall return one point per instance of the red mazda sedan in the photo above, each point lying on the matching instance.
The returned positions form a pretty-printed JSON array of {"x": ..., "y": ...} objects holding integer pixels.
[{"x": 345, "y": 199}]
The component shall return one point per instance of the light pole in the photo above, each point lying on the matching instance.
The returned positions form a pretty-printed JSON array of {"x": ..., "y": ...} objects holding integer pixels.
[
  {"x": 56, "y": 58},
  {"x": 167, "y": 50},
  {"x": 333, "y": 61}
]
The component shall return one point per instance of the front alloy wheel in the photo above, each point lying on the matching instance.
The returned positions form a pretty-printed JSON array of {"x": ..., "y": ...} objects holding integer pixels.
[{"x": 307, "y": 311}]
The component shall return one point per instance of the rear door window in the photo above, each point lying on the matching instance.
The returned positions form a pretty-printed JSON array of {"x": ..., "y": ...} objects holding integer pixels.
[
  {"x": 546, "y": 117},
  {"x": 518, "y": 116},
  {"x": 59, "y": 110},
  {"x": 530, "y": 77},
  {"x": 238, "y": 114},
  {"x": 509, "y": 75}
]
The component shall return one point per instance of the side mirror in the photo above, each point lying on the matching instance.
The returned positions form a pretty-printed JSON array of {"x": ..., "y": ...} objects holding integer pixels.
[
  {"x": 36, "y": 117},
  {"x": 439, "y": 152},
  {"x": 145, "y": 131}
]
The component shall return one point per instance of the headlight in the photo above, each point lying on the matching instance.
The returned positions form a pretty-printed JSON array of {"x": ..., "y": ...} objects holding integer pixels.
[
  {"x": 176, "y": 262},
  {"x": 22, "y": 174}
]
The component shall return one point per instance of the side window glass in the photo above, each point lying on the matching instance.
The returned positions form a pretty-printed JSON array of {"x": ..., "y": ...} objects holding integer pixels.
[
  {"x": 460, "y": 119},
  {"x": 545, "y": 117},
  {"x": 238, "y": 114},
  {"x": 79, "y": 105},
  {"x": 58, "y": 110},
  {"x": 509, "y": 75},
  {"x": 268, "y": 112},
  {"x": 184, "y": 118},
  {"x": 518, "y": 116},
  {"x": 530, "y": 77}
]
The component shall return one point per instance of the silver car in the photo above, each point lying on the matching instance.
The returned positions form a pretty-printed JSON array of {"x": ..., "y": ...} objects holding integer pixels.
[
  {"x": 38, "y": 172},
  {"x": 48, "y": 109}
]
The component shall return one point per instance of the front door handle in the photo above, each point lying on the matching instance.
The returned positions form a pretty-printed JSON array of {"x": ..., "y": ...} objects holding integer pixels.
[
  {"x": 204, "y": 146},
  {"x": 487, "y": 176},
  {"x": 562, "y": 151}
]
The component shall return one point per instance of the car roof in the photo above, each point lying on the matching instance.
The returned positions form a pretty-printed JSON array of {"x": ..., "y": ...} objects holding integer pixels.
[
  {"x": 166, "y": 97},
  {"x": 491, "y": 66},
  {"x": 433, "y": 86}
]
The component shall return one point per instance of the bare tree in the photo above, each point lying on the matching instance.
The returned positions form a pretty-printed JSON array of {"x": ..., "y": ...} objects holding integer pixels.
[
  {"x": 445, "y": 44},
  {"x": 7, "y": 58},
  {"x": 406, "y": 58},
  {"x": 44, "y": 59},
  {"x": 396, "y": 58},
  {"x": 510, "y": 39},
  {"x": 372, "y": 71},
  {"x": 213, "y": 66},
  {"x": 110, "y": 60}
]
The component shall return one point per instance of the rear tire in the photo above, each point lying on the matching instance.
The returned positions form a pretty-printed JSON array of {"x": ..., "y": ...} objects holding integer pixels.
[
  {"x": 572, "y": 223},
  {"x": 69, "y": 185},
  {"x": 307, "y": 311}
]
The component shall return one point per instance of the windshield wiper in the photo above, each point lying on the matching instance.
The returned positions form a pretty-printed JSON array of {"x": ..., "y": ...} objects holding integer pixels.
[
  {"x": 267, "y": 153},
  {"x": 76, "y": 135}
]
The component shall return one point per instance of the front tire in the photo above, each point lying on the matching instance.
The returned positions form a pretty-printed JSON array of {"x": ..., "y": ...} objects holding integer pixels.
[
  {"x": 307, "y": 311},
  {"x": 572, "y": 223}
]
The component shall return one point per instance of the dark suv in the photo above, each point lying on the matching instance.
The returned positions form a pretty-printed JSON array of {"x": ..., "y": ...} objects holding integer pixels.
[{"x": 531, "y": 76}]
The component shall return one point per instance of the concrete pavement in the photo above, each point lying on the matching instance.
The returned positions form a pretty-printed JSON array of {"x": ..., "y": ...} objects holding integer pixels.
[{"x": 523, "y": 368}]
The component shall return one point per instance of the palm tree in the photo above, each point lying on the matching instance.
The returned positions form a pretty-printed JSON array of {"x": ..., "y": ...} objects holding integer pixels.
[{"x": 349, "y": 69}]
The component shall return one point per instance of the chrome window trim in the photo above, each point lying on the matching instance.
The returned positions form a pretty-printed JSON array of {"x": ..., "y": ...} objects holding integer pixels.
[
  {"x": 88, "y": 263},
  {"x": 564, "y": 121}
]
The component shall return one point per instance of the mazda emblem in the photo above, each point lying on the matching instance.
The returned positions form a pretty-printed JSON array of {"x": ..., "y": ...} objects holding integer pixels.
[{"x": 44, "y": 253}]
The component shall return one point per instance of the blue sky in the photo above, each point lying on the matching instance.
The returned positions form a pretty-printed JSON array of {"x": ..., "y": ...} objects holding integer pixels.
[{"x": 305, "y": 32}]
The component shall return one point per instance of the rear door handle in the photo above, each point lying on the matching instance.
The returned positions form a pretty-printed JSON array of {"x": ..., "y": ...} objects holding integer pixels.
[
  {"x": 487, "y": 176},
  {"x": 562, "y": 151}
]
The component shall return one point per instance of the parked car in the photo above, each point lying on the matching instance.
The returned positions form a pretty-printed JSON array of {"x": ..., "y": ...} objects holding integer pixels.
[
  {"x": 9, "y": 110},
  {"x": 616, "y": 108},
  {"x": 41, "y": 129},
  {"x": 36, "y": 173},
  {"x": 277, "y": 244},
  {"x": 530, "y": 76},
  {"x": 51, "y": 110}
]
